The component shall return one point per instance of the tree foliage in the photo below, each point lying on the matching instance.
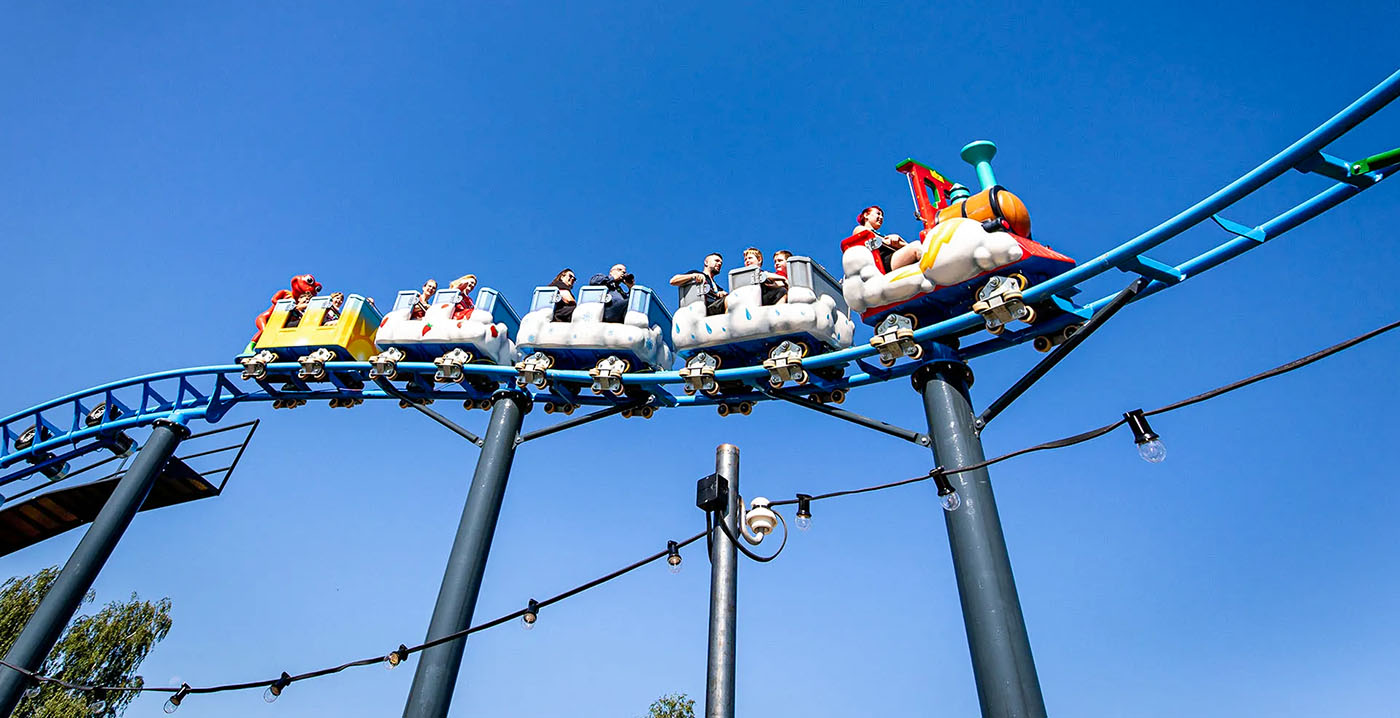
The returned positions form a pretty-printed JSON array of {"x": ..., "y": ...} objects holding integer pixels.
[
  {"x": 672, "y": 705},
  {"x": 104, "y": 648}
]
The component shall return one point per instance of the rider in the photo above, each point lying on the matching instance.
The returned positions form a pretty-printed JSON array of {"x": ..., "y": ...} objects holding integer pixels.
[
  {"x": 564, "y": 306},
  {"x": 773, "y": 288},
  {"x": 708, "y": 279},
  {"x": 619, "y": 283},
  {"x": 894, "y": 251},
  {"x": 464, "y": 285},
  {"x": 425, "y": 300}
]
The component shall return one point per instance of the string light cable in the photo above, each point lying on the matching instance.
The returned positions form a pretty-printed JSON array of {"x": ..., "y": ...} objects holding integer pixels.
[
  {"x": 1136, "y": 419},
  {"x": 394, "y": 658}
]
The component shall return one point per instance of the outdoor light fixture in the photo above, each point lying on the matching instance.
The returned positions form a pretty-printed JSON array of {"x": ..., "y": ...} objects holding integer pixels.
[
  {"x": 277, "y": 687},
  {"x": 759, "y": 521},
  {"x": 532, "y": 614},
  {"x": 804, "y": 512},
  {"x": 98, "y": 705},
  {"x": 1149, "y": 445},
  {"x": 947, "y": 495},
  {"x": 673, "y": 556},
  {"x": 396, "y": 657},
  {"x": 33, "y": 691},
  {"x": 173, "y": 703}
]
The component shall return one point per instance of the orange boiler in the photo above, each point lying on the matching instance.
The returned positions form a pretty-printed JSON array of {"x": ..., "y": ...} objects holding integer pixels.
[{"x": 994, "y": 203}]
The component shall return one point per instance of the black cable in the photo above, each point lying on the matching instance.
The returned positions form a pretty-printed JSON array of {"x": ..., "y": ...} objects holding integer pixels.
[
  {"x": 1105, "y": 429},
  {"x": 364, "y": 661},
  {"x": 1281, "y": 369}
]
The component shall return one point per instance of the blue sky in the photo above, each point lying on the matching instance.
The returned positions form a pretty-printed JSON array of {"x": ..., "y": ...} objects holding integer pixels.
[{"x": 165, "y": 168}]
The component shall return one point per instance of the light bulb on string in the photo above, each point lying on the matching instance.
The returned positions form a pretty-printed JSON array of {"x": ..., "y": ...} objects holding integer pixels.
[
  {"x": 804, "y": 512},
  {"x": 275, "y": 690},
  {"x": 1149, "y": 444},
  {"x": 532, "y": 614},
  {"x": 172, "y": 703},
  {"x": 673, "y": 557},
  {"x": 396, "y": 657},
  {"x": 947, "y": 495},
  {"x": 32, "y": 691}
]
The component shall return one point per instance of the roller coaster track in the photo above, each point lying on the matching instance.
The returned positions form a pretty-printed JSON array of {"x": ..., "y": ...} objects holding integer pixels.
[{"x": 208, "y": 393}]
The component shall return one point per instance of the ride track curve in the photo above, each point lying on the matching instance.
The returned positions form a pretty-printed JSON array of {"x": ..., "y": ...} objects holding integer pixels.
[{"x": 208, "y": 393}]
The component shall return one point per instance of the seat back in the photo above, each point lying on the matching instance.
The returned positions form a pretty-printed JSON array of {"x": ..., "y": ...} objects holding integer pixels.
[
  {"x": 544, "y": 297},
  {"x": 745, "y": 276},
  {"x": 405, "y": 299},
  {"x": 644, "y": 300},
  {"x": 690, "y": 294},
  {"x": 804, "y": 272},
  {"x": 490, "y": 300}
]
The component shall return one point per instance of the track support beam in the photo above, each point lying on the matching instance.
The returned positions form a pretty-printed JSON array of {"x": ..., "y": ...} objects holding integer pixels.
[
  {"x": 75, "y": 580},
  {"x": 1044, "y": 366},
  {"x": 436, "y": 675},
  {"x": 1002, "y": 665},
  {"x": 579, "y": 420},
  {"x": 913, "y": 437}
]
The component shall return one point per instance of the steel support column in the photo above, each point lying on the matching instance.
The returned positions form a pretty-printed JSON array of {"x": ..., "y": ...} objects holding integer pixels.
[
  {"x": 1002, "y": 664},
  {"x": 75, "y": 580},
  {"x": 436, "y": 675},
  {"x": 724, "y": 580}
]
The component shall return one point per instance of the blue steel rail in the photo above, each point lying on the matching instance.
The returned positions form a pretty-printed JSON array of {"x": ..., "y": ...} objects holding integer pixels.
[{"x": 207, "y": 393}]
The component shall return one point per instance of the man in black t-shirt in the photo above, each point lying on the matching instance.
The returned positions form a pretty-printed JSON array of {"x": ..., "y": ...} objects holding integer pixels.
[{"x": 708, "y": 279}]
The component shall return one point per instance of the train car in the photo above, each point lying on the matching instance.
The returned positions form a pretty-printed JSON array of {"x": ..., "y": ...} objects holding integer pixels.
[
  {"x": 484, "y": 335},
  {"x": 971, "y": 258},
  {"x": 814, "y": 319},
  {"x": 641, "y": 342},
  {"x": 318, "y": 335}
]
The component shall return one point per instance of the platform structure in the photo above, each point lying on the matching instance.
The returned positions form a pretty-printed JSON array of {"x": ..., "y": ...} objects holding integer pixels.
[{"x": 68, "y": 427}]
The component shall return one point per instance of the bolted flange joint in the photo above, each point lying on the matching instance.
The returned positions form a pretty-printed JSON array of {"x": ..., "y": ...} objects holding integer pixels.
[
  {"x": 522, "y": 399},
  {"x": 181, "y": 431},
  {"x": 952, "y": 368}
]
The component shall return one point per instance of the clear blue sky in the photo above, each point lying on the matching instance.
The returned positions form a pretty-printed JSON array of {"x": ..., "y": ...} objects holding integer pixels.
[{"x": 165, "y": 168}]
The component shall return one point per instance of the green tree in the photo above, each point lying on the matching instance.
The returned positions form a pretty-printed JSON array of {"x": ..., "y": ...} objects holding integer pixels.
[
  {"x": 672, "y": 705},
  {"x": 104, "y": 648}
]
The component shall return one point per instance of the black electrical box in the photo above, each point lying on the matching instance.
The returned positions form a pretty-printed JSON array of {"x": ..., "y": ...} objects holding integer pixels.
[{"x": 712, "y": 493}]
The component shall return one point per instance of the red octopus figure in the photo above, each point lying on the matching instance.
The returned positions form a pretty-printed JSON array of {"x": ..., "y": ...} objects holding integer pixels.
[{"x": 303, "y": 286}]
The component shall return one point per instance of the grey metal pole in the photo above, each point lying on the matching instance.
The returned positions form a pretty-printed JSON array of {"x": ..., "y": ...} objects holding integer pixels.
[
  {"x": 1002, "y": 664},
  {"x": 724, "y": 586},
  {"x": 436, "y": 675},
  {"x": 75, "y": 580}
]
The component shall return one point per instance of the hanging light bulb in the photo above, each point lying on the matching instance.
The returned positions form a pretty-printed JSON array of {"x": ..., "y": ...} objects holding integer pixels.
[
  {"x": 947, "y": 495},
  {"x": 396, "y": 657},
  {"x": 673, "y": 556},
  {"x": 32, "y": 691},
  {"x": 98, "y": 706},
  {"x": 173, "y": 702},
  {"x": 804, "y": 512},
  {"x": 275, "y": 690},
  {"x": 532, "y": 614},
  {"x": 1149, "y": 445}
]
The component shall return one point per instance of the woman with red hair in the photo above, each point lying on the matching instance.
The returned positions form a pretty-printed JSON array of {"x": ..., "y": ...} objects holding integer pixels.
[{"x": 893, "y": 250}]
